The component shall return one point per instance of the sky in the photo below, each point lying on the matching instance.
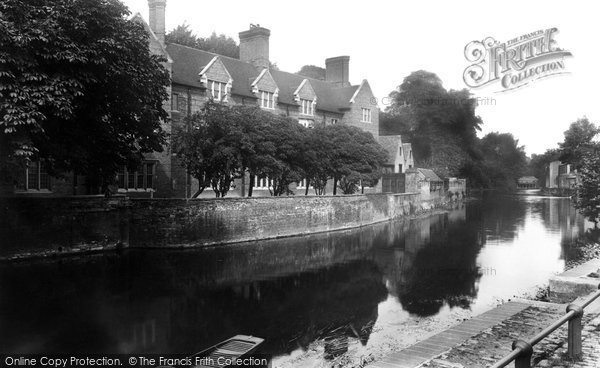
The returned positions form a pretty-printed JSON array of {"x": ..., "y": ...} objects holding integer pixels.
[{"x": 387, "y": 40}]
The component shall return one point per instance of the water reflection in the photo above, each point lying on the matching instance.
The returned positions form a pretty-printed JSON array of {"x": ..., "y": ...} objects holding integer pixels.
[
  {"x": 326, "y": 290},
  {"x": 444, "y": 271}
]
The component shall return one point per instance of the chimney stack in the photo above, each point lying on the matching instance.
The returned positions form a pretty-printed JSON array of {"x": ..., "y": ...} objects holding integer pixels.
[
  {"x": 337, "y": 70},
  {"x": 254, "y": 46},
  {"x": 157, "y": 18}
]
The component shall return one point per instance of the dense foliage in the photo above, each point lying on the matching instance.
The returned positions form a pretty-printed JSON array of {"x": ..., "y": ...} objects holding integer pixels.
[
  {"x": 312, "y": 71},
  {"x": 581, "y": 150},
  {"x": 578, "y": 142},
  {"x": 442, "y": 127},
  {"x": 221, "y": 143},
  {"x": 218, "y": 44},
  {"x": 503, "y": 159},
  {"x": 588, "y": 198},
  {"x": 79, "y": 88}
]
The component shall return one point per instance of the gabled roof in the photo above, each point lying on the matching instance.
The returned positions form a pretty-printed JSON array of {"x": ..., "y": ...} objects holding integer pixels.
[
  {"x": 329, "y": 98},
  {"x": 358, "y": 90},
  {"x": 137, "y": 17},
  {"x": 258, "y": 78},
  {"x": 429, "y": 174},
  {"x": 189, "y": 62}
]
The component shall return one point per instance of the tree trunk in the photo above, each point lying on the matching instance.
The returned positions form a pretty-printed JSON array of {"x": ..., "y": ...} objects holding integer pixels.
[
  {"x": 251, "y": 185},
  {"x": 307, "y": 186},
  {"x": 198, "y": 192},
  {"x": 335, "y": 181}
]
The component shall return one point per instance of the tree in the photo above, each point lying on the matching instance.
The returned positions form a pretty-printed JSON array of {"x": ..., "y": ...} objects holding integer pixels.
[
  {"x": 317, "y": 159},
  {"x": 588, "y": 198},
  {"x": 312, "y": 71},
  {"x": 354, "y": 155},
  {"x": 209, "y": 147},
  {"x": 578, "y": 141},
  {"x": 398, "y": 123},
  {"x": 271, "y": 146},
  {"x": 78, "y": 87},
  {"x": 223, "y": 142},
  {"x": 182, "y": 35},
  {"x": 218, "y": 44},
  {"x": 504, "y": 159},
  {"x": 441, "y": 125},
  {"x": 288, "y": 139}
]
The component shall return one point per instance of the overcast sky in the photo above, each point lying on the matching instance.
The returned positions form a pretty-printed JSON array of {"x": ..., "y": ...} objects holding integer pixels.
[{"x": 387, "y": 40}]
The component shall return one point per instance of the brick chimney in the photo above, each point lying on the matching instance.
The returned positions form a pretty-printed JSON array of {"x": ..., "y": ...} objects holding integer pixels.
[
  {"x": 254, "y": 46},
  {"x": 337, "y": 70},
  {"x": 157, "y": 18}
]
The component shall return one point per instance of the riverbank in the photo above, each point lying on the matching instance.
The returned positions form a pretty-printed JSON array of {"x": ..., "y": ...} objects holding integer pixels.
[
  {"x": 584, "y": 250},
  {"x": 58, "y": 227},
  {"x": 487, "y": 338}
]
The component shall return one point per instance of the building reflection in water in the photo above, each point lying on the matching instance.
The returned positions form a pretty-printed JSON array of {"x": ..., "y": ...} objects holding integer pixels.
[{"x": 292, "y": 292}]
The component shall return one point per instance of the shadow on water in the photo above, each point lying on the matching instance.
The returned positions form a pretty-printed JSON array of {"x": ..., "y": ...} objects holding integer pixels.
[{"x": 293, "y": 292}]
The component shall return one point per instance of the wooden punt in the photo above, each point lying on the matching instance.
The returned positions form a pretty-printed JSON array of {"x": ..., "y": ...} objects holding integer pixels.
[{"x": 217, "y": 356}]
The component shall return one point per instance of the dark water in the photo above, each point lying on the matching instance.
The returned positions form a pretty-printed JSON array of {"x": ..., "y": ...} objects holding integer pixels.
[{"x": 313, "y": 299}]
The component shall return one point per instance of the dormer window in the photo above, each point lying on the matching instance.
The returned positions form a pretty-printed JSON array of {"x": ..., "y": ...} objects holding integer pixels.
[
  {"x": 217, "y": 90},
  {"x": 307, "y": 107},
  {"x": 267, "y": 100},
  {"x": 366, "y": 115}
]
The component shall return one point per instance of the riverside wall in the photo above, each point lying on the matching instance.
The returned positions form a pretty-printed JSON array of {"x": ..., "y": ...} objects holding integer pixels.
[{"x": 47, "y": 226}]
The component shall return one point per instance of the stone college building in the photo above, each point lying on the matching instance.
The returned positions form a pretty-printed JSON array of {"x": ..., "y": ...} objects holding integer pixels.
[{"x": 198, "y": 76}]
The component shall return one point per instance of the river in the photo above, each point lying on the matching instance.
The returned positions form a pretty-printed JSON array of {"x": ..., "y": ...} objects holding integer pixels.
[{"x": 317, "y": 300}]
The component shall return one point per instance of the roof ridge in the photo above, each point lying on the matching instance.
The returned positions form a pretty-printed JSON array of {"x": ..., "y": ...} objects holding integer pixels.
[
  {"x": 313, "y": 79},
  {"x": 271, "y": 70},
  {"x": 208, "y": 52}
]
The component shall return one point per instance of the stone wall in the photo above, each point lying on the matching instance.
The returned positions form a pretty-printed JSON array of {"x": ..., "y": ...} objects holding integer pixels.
[
  {"x": 45, "y": 226},
  {"x": 215, "y": 221},
  {"x": 33, "y": 225}
]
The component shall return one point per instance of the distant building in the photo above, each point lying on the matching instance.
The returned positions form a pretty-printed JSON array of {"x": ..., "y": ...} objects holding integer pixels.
[
  {"x": 424, "y": 181},
  {"x": 560, "y": 176},
  {"x": 552, "y": 174},
  {"x": 527, "y": 182},
  {"x": 400, "y": 156}
]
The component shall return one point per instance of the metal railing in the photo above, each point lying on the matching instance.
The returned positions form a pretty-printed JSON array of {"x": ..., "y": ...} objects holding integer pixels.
[{"x": 523, "y": 350}]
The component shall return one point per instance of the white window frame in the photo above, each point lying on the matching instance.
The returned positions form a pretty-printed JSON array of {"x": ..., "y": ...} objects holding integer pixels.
[
  {"x": 267, "y": 100},
  {"x": 219, "y": 93},
  {"x": 334, "y": 121},
  {"x": 307, "y": 107},
  {"x": 302, "y": 184},
  {"x": 366, "y": 115},
  {"x": 263, "y": 182}
]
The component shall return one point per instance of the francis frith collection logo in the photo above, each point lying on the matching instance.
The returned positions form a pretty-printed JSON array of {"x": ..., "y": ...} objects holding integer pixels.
[{"x": 514, "y": 63}]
